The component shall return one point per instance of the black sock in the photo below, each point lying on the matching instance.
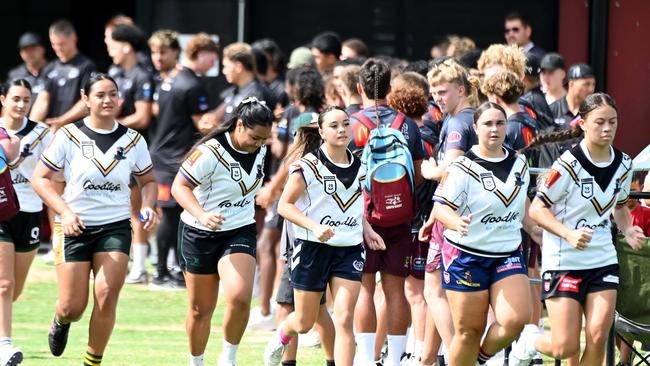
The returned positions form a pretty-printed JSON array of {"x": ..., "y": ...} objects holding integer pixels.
[
  {"x": 289, "y": 363},
  {"x": 330, "y": 363}
]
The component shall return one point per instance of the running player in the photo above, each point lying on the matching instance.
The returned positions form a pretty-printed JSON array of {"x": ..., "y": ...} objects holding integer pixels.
[
  {"x": 93, "y": 213},
  {"x": 216, "y": 185},
  {"x": 482, "y": 203},
  {"x": 19, "y": 237},
  {"x": 586, "y": 185},
  {"x": 322, "y": 200}
]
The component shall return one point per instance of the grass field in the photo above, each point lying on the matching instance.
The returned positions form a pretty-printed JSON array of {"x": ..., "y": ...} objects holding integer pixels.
[{"x": 150, "y": 329}]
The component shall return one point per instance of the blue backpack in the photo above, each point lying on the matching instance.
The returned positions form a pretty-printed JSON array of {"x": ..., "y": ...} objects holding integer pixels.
[{"x": 388, "y": 190}]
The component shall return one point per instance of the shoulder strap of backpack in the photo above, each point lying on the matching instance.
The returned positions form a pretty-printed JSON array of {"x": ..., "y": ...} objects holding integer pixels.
[
  {"x": 398, "y": 121},
  {"x": 365, "y": 120}
]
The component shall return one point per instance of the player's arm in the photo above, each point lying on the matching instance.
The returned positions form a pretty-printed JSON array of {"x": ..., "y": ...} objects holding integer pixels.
[
  {"x": 633, "y": 234},
  {"x": 530, "y": 226},
  {"x": 433, "y": 171},
  {"x": 40, "y": 107},
  {"x": 450, "y": 219},
  {"x": 149, "y": 188},
  {"x": 544, "y": 217},
  {"x": 77, "y": 112},
  {"x": 141, "y": 118},
  {"x": 11, "y": 146},
  {"x": 182, "y": 192}
]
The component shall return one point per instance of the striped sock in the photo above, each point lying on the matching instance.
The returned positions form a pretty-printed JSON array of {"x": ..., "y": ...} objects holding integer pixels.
[
  {"x": 483, "y": 357},
  {"x": 92, "y": 360}
]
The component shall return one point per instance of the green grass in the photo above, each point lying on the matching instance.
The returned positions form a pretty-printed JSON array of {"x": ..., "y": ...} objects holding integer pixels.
[{"x": 150, "y": 329}]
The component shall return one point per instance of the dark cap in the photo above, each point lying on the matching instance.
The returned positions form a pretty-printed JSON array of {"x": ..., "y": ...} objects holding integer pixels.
[
  {"x": 580, "y": 71},
  {"x": 532, "y": 65},
  {"x": 29, "y": 39},
  {"x": 552, "y": 61}
]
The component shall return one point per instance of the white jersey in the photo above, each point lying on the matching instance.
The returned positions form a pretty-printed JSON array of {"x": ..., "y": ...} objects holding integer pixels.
[
  {"x": 34, "y": 138},
  {"x": 493, "y": 191},
  {"x": 97, "y": 167},
  {"x": 225, "y": 180},
  {"x": 333, "y": 197},
  {"x": 583, "y": 194}
]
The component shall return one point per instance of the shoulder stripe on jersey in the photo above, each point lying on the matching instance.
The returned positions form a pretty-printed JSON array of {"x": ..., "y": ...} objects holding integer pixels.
[
  {"x": 623, "y": 201},
  {"x": 445, "y": 201},
  {"x": 50, "y": 164},
  {"x": 506, "y": 200},
  {"x": 193, "y": 181},
  {"x": 624, "y": 176},
  {"x": 602, "y": 210},
  {"x": 342, "y": 205},
  {"x": 143, "y": 171},
  {"x": 569, "y": 169},
  {"x": 105, "y": 171},
  {"x": 31, "y": 148},
  {"x": 244, "y": 190},
  {"x": 544, "y": 198}
]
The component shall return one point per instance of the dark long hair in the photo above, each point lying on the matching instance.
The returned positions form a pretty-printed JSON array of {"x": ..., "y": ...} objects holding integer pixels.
[
  {"x": 4, "y": 88},
  {"x": 308, "y": 138},
  {"x": 484, "y": 107},
  {"x": 94, "y": 78},
  {"x": 250, "y": 111},
  {"x": 590, "y": 103}
]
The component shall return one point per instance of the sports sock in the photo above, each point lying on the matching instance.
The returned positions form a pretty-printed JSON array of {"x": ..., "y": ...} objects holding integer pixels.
[
  {"x": 228, "y": 352},
  {"x": 366, "y": 346},
  {"x": 92, "y": 360},
  {"x": 396, "y": 346},
  {"x": 196, "y": 360}
]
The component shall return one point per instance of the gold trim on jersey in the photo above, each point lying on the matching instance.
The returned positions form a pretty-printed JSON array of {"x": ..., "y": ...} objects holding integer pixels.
[
  {"x": 105, "y": 171},
  {"x": 32, "y": 145},
  {"x": 602, "y": 210},
  {"x": 542, "y": 196},
  {"x": 445, "y": 201},
  {"x": 342, "y": 205},
  {"x": 569, "y": 169},
  {"x": 506, "y": 200},
  {"x": 244, "y": 190}
]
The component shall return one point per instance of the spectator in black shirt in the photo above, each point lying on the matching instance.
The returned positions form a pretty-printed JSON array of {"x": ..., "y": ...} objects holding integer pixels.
[
  {"x": 276, "y": 69},
  {"x": 239, "y": 70},
  {"x": 32, "y": 52},
  {"x": 582, "y": 82},
  {"x": 59, "y": 103},
  {"x": 533, "y": 92},
  {"x": 518, "y": 31},
  {"x": 326, "y": 48}
]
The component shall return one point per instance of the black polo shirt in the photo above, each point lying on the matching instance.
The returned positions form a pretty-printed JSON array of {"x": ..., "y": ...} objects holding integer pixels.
[
  {"x": 36, "y": 81},
  {"x": 65, "y": 81},
  {"x": 234, "y": 95}
]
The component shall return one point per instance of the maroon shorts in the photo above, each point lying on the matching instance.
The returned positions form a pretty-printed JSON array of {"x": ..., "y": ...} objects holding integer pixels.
[
  {"x": 396, "y": 258},
  {"x": 419, "y": 254},
  {"x": 434, "y": 257}
]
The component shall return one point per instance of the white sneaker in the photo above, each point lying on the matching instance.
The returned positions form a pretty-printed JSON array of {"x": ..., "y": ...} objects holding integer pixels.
[
  {"x": 311, "y": 339},
  {"x": 274, "y": 351},
  {"x": 136, "y": 277},
  {"x": 257, "y": 321},
  {"x": 226, "y": 363},
  {"x": 10, "y": 356},
  {"x": 48, "y": 258},
  {"x": 524, "y": 350}
]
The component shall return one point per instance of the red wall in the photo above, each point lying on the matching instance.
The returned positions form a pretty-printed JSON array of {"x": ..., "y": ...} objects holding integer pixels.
[
  {"x": 628, "y": 71},
  {"x": 628, "y": 61}
]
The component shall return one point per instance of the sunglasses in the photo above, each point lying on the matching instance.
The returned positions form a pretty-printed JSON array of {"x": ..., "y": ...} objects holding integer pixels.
[{"x": 513, "y": 30}]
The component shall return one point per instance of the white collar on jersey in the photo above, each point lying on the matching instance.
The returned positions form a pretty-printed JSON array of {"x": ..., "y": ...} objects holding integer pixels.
[{"x": 231, "y": 145}]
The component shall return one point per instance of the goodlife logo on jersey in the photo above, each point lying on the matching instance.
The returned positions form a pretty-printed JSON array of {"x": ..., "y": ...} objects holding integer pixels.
[
  {"x": 601, "y": 225},
  {"x": 107, "y": 187},
  {"x": 491, "y": 219},
  {"x": 349, "y": 221}
]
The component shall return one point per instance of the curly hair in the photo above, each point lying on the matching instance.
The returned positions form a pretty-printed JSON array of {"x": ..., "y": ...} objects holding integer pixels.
[
  {"x": 310, "y": 89},
  {"x": 408, "y": 99},
  {"x": 511, "y": 58},
  {"x": 504, "y": 84},
  {"x": 450, "y": 71}
]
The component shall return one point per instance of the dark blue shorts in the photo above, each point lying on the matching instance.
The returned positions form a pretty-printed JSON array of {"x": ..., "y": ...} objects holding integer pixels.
[
  {"x": 314, "y": 264},
  {"x": 462, "y": 271}
]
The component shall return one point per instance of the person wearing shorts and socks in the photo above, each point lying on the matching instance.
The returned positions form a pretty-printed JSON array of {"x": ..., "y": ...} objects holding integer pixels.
[
  {"x": 216, "y": 185},
  {"x": 482, "y": 204},
  {"x": 393, "y": 261},
  {"x": 456, "y": 93},
  {"x": 97, "y": 157},
  {"x": 322, "y": 199},
  {"x": 16, "y": 253},
  {"x": 585, "y": 185},
  {"x": 136, "y": 92},
  {"x": 182, "y": 103}
]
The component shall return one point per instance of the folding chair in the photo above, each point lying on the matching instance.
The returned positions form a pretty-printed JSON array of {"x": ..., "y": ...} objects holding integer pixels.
[{"x": 632, "y": 318}]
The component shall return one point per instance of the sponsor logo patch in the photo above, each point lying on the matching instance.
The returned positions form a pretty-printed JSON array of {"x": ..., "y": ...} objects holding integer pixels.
[
  {"x": 551, "y": 178},
  {"x": 569, "y": 284}
]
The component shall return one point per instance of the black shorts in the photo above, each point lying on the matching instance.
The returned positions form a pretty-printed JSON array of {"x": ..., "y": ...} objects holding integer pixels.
[
  {"x": 285, "y": 289},
  {"x": 23, "y": 230},
  {"x": 113, "y": 237},
  {"x": 199, "y": 250},
  {"x": 314, "y": 264},
  {"x": 577, "y": 284}
]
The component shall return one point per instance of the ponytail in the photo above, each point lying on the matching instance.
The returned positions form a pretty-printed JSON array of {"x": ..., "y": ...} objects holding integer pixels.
[{"x": 560, "y": 136}]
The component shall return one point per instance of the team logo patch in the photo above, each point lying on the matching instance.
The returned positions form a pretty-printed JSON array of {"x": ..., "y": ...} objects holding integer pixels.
[
  {"x": 194, "y": 157},
  {"x": 587, "y": 187},
  {"x": 611, "y": 279},
  {"x": 446, "y": 277},
  {"x": 329, "y": 184},
  {"x": 551, "y": 178},
  {"x": 547, "y": 281},
  {"x": 88, "y": 149},
  {"x": 358, "y": 265},
  {"x": 235, "y": 172},
  {"x": 488, "y": 181},
  {"x": 454, "y": 136}
]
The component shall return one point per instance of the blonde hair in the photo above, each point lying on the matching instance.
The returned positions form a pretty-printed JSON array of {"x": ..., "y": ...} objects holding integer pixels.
[
  {"x": 240, "y": 52},
  {"x": 512, "y": 58},
  {"x": 459, "y": 46},
  {"x": 504, "y": 84},
  {"x": 450, "y": 71},
  {"x": 164, "y": 38}
]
